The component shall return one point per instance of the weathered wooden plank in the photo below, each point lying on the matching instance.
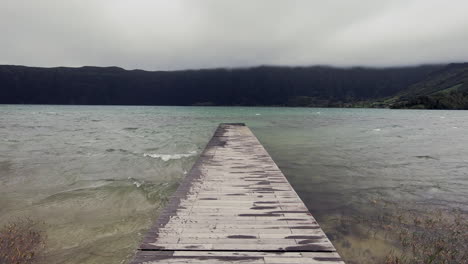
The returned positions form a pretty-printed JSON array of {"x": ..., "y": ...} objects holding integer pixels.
[
  {"x": 158, "y": 257},
  {"x": 235, "y": 206}
]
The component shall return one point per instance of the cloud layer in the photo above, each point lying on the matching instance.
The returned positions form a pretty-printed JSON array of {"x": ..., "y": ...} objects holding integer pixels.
[{"x": 176, "y": 34}]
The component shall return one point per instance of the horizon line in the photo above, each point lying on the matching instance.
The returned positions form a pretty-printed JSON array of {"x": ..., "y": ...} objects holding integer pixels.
[{"x": 247, "y": 67}]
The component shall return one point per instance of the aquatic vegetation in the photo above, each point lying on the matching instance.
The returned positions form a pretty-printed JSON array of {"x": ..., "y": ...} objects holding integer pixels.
[
  {"x": 437, "y": 237},
  {"x": 393, "y": 233},
  {"x": 21, "y": 242}
]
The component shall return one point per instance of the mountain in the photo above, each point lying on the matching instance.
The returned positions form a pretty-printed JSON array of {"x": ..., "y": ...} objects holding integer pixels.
[
  {"x": 265, "y": 85},
  {"x": 446, "y": 88}
]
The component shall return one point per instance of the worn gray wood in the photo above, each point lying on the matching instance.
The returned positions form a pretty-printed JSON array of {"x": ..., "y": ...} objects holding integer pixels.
[
  {"x": 236, "y": 206},
  {"x": 153, "y": 257}
]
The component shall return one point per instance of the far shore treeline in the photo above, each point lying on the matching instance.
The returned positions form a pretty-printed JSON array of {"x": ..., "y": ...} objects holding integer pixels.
[{"x": 429, "y": 86}]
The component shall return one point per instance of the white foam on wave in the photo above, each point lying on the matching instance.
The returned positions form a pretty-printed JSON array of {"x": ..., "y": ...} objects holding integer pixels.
[
  {"x": 167, "y": 157},
  {"x": 257, "y": 114},
  {"x": 377, "y": 129},
  {"x": 136, "y": 182}
]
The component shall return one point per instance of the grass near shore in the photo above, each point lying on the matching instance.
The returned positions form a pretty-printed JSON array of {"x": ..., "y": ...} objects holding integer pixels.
[
  {"x": 21, "y": 242},
  {"x": 437, "y": 237}
]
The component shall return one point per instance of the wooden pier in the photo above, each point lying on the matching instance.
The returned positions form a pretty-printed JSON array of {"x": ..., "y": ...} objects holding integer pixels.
[{"x": 235, "y": 206}]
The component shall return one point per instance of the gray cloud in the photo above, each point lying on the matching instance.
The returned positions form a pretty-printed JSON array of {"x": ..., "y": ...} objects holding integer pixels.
[{"x": 176, "y": 34}]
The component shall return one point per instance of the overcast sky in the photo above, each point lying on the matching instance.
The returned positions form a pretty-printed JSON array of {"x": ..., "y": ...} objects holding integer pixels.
[{"x": 175, "y": 34}]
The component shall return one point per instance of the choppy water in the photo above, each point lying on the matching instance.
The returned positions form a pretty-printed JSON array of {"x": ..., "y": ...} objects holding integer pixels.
[{"x": 96, "y": 175}]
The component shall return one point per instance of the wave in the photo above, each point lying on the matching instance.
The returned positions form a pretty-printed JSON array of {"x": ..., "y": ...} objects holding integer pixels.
[
  {"x": 136, "y": 182},
  {"x": 426, "y": 157},
  {"x": 167, "y": 157},
  {"x": 121, "y": 150}
]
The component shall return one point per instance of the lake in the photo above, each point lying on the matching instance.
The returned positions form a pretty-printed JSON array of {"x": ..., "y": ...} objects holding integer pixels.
[{"x": 96, "y": 176}]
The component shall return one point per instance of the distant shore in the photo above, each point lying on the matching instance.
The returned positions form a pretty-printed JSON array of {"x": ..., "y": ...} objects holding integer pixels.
[{"x": 416, "y": 87}]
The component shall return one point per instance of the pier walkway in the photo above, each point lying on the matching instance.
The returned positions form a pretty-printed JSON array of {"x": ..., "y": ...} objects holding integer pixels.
[{"x": 235, "y": 206}]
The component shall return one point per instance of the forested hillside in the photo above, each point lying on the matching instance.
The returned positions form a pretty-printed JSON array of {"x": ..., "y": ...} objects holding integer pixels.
[
  {"x": 284, "y": 86},
  {"x": 446, "y": 88}
]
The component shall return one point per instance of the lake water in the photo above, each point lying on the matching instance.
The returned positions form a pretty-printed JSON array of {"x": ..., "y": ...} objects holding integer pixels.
[{"x": 97, "y": 175}]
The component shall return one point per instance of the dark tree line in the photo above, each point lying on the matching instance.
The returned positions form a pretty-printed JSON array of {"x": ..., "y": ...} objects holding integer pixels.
[{"x": 251, "y": 86}]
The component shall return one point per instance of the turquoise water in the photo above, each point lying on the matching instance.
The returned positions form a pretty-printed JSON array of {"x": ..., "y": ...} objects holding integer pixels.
[{"x": 97, "y": 175}]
